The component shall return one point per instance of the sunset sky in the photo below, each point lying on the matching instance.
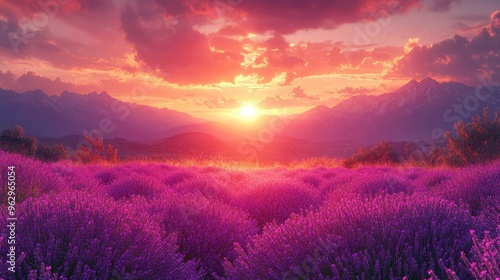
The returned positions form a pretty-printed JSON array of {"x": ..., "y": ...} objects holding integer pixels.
[{"x": 209, "y": 58}]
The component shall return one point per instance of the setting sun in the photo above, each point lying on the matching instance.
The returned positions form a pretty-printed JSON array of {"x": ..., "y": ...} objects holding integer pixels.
[{"x": 248, "y": 112}]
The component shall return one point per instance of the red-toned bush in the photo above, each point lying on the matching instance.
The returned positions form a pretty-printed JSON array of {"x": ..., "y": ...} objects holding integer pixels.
[{"x": 475, "y": 142}]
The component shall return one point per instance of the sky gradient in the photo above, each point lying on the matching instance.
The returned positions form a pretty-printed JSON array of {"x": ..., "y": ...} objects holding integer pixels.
[{"x": 209, "y": 58}]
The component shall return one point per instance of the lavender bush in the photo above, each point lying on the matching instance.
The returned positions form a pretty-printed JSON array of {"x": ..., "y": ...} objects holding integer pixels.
[
  {"x": 485, "y": 263},
  {"x": 79, "y": 236},
  {"x": 128, "y": 186},
  {"x": 206, "y": 229},
  {"x": 77, "y": 177},
  {"x": 154, "y": 221},
  {"x": 270, "y": 200},
  {"x": 33, "y": 178},
  {"x": 472, "y": 185},
  {"x": 389, "y": 237}
]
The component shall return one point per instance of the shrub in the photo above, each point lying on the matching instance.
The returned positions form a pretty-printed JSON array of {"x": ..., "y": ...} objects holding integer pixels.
[
  {"x": 310, "y": 177},
  {"x": 386, "y": 238},
  {"x": 491, "y": 213},
  {"x": 206, "y": 186},
  {"x": 48, "y": 153},
  {"x": 485, "y": 262},
  {"x": 435, "y": 179},
  {"x": 76, "y": 177},
  {"x": 472, "y": 185},
  {"x": 94, "y": 151},
  {"x": 370, "y": 182},
  {"x": 129, "y": 186},
  {"x": 206, "y": 229},
  {"x": 13, "y": 140},
  {"x": 381, "y": 154},
  {"x": 476, "y": 142},
  {"x": 85, "y": 237},
  {"x": 275, "y": 199},
  {"x": 179, "y": 176},
  {"x": 32, "y": 178},
  {"x": 106, "y": 176}
]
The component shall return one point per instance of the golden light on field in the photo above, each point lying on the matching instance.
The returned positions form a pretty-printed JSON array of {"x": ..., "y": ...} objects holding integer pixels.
[{"x": 248, "y": 112}]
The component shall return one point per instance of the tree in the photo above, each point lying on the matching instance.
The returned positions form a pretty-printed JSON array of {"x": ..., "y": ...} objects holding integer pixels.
[
  {"x": 94, "y": 151},
  {"x": 13, "y": 140},
  {"x": 475, "y": 142}
]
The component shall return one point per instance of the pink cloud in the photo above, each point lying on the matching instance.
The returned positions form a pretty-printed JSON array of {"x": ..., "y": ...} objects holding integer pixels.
[
  {"x": 180, "y": 51},
  {"x": 32, "y": 81},
  {"x": 458, "y": 59},
  {"x": 221, "y": 103},
  {"x": 296, "y": 98}
]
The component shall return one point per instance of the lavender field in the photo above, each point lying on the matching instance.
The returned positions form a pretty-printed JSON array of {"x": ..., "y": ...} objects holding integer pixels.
[{"x": 156, "y": 221}]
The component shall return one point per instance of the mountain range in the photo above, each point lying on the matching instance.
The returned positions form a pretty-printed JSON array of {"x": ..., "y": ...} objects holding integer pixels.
[
  {"x": 416, "y": 111},
  {"x": 72, "y": 113}
]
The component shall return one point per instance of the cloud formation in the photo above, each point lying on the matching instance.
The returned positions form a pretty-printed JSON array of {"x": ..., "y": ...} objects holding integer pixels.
[
  {"x": 174, "y": 46},
  {"x": 222, "y": 103},
  {"x": 458, "y": 59},
  {"x": 32, "y": 81},
  {"x": 296, "y": 98},
  {"x": 202, "y": 42},
  {"x": 167, "y": 34},
  {"x": 495, "y": 23}
]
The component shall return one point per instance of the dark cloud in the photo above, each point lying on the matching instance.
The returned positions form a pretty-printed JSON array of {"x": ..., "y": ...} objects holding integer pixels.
[
  {"x": 458, "y": 59},
  {"x": 495, "y": 23},
  {"x": 14, "y": 34},
  {"x": 288, "y": 16},
  {"x": 7, "y": 80},
  {"x": 439, "y": 5},
  {"x": 60, "y": 6}
]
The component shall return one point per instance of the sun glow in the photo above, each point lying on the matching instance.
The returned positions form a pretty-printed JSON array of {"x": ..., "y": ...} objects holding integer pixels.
[{"x": 248, "y": 112}]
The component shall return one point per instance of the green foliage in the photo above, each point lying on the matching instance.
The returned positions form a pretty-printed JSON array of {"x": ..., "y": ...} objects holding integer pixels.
[
  {"x": 382, "y": 153},
  {"x": 13, "y": 140},
  {"x": 94, "y": 151}
]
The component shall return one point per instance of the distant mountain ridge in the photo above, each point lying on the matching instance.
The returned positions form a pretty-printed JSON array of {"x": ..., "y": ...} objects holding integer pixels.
[
  {"x": 413, "y": 112},
  {"x": 71, "y": 113}
]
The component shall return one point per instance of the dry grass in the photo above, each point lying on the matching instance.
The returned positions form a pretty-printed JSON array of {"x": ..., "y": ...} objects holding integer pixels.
[{"x": 243, "y": 165}]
